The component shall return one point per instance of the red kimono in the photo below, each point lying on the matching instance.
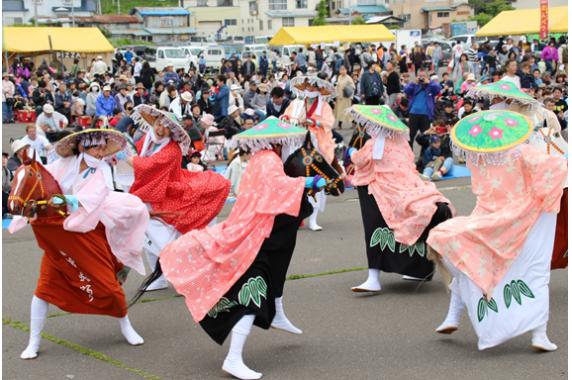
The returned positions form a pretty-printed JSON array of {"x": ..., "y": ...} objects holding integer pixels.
[{"x": 192, "y": 198}]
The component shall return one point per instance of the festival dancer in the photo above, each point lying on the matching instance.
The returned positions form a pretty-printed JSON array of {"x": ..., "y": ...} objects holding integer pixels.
[
  {"x": 79, "y": 271},
  {"x": 499, "y": 256},
  {"x": 311, "y": 110},
  {"x": 185, "y": 200},
  {"x": 232, "y": 274},
  {"x": 546, "y": 137},
  {"x": 398, "y": 208}
]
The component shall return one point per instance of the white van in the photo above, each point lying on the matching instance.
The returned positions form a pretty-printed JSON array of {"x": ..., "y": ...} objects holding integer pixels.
[
  {"x": 466, "y": 40},
  {"x": 160, "y": 57},
  {"x": 214, "y": 55},
  {"x": 193, "y": 53},
  {"x": 287, "y": 50}
]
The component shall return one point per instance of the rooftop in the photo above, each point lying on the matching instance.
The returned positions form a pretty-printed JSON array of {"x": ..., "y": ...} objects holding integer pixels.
[{"x": 166, "y": 11}]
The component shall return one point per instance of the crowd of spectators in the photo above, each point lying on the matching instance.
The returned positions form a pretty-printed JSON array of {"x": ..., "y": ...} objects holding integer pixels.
[{"x": 426, "y": 91}]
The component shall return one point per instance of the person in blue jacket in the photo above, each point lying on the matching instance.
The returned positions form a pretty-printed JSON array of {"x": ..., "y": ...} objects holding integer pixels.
[
  {"x": 221, "y": 98},
  {"x": 105, "y": 103},
  {"x": 421, "y": 95}
]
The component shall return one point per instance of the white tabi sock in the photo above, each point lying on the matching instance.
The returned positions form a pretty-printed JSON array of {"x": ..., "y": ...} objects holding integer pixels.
[
  {"x": 372, "y": 284},
  {"x": 540, "y": 340},
  {"x": 129, "y": 332},
  {"x": 313, "y": 219},
  {"x": 38, "y": 314},
  {"x": 280, "y": 320},
  {"x": 233, "y": 363},
  {"x": 451, "y": 322}
]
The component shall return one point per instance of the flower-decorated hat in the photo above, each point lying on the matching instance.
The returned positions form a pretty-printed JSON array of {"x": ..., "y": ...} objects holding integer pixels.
[
  {"x": 300, "y": 83},
  {"x": 269, "y": 131},
  {"x": 146, "y": 115},
  {"x": 503, "y": 89},
  {"x": 485, "y": 137},
  {"x": 113, "y": 140},
  {"x": 379, "y": 119}
]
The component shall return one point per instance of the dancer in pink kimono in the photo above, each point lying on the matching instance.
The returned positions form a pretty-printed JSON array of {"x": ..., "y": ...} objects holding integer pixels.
[
  {"x": 499, "y": 256},
  {"x": 398, "y": 208},
  {"x": 232, "y": 274},
  {"x": 311, "y": 110},
  {"x": 92, "y": 206}
]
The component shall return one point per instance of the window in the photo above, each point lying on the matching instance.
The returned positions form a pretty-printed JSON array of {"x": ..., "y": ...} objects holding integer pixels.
[
  {"x": 230, "y": 22},
  {"x": 269, "y": 24},
  {"x": 301, "y": 4},
  {"x": 366, "y": 2},
  {"x": 224, "y": 3},
  {"x": 253, "y": 7},
  {"x": 442, "y": 14},
  {"x": 261, "y": 25},
  {"x": 161, "y": 54},
  {"x": 277, "y": 5},
  {"x": 166, "y": 22},
  {"x": 287, "y": 21},
  {"x": 202, "y": 3},
  {"x": 175, "y": 53}
]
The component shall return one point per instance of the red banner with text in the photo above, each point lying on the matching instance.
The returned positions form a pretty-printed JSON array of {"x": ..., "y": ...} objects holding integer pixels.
[{"x": 543, "y": 19}]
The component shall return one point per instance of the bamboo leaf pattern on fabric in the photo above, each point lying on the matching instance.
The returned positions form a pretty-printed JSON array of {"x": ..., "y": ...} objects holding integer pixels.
[
  {"x": 252, "y": 290},
  {"x": 514, "y": 289},
  {"x": 418, "y": 247},
  {"x": 384, "y": 237},
  {"x": 483, "y": 307},
  {"x": 507, "y": 295},
  {"x": 223, "y": 305},
  {"x": 524, "y": 289},
  {"x": 375, "y": 237}
]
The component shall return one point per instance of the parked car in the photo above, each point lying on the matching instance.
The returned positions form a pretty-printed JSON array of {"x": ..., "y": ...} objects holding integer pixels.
[
  {"x": 214, "y": 55},
  {"x": 160, "y": 57}
]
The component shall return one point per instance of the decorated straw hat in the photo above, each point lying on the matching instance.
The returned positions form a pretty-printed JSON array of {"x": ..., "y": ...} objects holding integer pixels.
[
  {"x": 146, "y": 115},
  {"x": 113, "y": 140},
  {"x": 485, "y": 137},
  {"x": 268, "y": 132},
  {"x": 503, "y": 89},
  {"x": 379, "y": 119},
  {"x": 300, "y": 83}
]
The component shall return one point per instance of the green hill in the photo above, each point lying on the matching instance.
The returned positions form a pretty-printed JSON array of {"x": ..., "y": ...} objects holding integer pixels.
[{"x": 110, "y": 6}]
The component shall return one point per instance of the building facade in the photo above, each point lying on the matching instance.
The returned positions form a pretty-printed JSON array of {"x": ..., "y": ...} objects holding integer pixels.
[
  {"x": 214, "y": 18},
  {"x": 430, "y": 14},
  {"x": 24, "y": 11},
  {"x": 166, "y": 25}
]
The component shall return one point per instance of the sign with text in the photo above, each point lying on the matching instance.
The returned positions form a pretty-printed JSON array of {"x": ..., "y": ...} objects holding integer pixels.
[{"x": 543, "y": 19}]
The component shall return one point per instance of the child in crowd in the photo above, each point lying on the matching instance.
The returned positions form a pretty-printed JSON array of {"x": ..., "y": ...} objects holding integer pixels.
[{"x": 435, "y": 163}]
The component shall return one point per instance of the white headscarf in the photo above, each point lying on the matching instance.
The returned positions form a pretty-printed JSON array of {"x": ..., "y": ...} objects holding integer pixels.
[{"x": 151, "y": 137}]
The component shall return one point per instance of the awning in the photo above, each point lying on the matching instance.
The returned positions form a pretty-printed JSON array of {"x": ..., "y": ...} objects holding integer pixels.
[
  {"x": 37, "y": 39},
  {"x": 525, "y": 21},
  {"x": 306, "y": 35}
]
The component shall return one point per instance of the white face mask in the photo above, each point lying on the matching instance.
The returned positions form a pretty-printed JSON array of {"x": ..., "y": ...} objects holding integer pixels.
[
  {"x": 311, "y": 94},
  {"x": 91, "y": 161},
  {"x": 94, "y": 89}
]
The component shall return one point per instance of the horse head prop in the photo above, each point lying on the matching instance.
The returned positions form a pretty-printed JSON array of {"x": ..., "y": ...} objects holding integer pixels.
[
  {"x": 33, "y": 188},
  {"x": 308, "y": 162}
]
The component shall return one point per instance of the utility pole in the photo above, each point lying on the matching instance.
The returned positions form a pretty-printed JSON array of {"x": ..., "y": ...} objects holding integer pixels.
[
  {"x": 118, "y": 7},
  {"x": 36, "y": 12}
]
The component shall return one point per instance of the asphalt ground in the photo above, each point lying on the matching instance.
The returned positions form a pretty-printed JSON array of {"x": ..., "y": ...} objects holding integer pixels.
[{"x": 346, "y": 336}]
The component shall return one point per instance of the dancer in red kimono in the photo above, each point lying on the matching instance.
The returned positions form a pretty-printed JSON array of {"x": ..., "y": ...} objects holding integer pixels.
[{"x": 184, "y": 200}]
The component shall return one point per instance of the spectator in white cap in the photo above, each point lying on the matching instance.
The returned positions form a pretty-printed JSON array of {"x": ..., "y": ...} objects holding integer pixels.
[
  {"x": 18, "y": 149},
  {"x": 105, "y": 104},
  {"x": 91, "y": 98},
  {"x": 99, "y": 67},
  {"x": 235, "y": 97},
  {"x": 181, "y": 106},
  {"x": 231, "y": 124},
  {"x": 50, "y": 122},
  {"x": 38, "y": 144}
]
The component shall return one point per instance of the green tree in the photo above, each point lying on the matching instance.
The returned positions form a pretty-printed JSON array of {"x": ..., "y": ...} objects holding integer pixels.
[
  {"x": 358, "y": 20},
  {"x": 486, "y": 10},
  {"x": 322, "y": 9}
]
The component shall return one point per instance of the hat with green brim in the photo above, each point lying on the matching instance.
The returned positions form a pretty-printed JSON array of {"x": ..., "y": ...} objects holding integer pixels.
[
  {"x": 503, "y": 89},
  {"x": 486, "y": 136},
  {"x": 112, "y": 140},
  {"x": 379, "y": 119},
  {"x": 146, "y": 116},
  {"x": 271, "y": 131}
]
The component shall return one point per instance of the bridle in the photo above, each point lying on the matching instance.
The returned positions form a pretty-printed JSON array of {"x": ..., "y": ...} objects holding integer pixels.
[
  {"x": 308, "y": 160},
  {"x": 550, "y": 143},
  {"x": 34, "y": 203}
]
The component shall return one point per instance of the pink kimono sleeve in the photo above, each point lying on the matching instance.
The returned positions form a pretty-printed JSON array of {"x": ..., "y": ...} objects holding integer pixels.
[
  {"x": 547, "y": 176},
  {"x": 91, "y": 196},
  {"x": 278, "y": 193},
  {"x": 363, "y": 157}
]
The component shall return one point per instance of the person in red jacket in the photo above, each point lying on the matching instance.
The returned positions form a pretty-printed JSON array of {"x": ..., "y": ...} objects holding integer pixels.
[{"x": 179, "y": 200}]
